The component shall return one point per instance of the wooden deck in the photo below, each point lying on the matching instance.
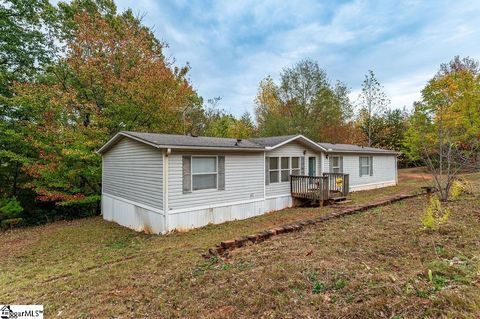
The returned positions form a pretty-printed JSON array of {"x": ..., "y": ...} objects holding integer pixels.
[{"x": 319, "y": 189}]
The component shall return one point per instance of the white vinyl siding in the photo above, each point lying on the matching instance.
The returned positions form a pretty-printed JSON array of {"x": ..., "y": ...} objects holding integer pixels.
[
  {"x": 244, "y": 180},
  {"x": 384, "y": 169},
  {"x": 292, "y": 149},
  {"x": 134, "y": 171}
]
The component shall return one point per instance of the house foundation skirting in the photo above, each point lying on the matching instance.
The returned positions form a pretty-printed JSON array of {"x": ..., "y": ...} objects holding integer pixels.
[
  {"x": 142, "y": 218},
  {"x": 193, "y": 218},
  {"x": 132, "y": 215}
]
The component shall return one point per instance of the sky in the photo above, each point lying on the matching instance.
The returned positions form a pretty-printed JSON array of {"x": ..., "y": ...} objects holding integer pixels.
[{"x": 232, "y": 45}]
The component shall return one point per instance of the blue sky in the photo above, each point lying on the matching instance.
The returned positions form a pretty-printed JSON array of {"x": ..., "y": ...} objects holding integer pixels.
[{"x": 232, "y": 45}]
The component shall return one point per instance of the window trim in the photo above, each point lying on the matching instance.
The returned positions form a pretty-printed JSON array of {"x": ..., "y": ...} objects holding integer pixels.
[
  {"x": 363, "y": 166},
  {"x": 274, "y": 170},
  {"x": 211, "y": 173}
]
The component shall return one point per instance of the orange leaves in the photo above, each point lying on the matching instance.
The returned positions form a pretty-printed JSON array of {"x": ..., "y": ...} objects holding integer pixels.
[
  {"x": 44, "y": 195},
  {"x": 118, "y": 68}
]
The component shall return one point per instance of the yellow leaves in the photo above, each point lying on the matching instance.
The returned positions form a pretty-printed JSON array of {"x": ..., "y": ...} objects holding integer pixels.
[
  {"x": 453, "y": 101},
  {"x": 435, "y": 214}
]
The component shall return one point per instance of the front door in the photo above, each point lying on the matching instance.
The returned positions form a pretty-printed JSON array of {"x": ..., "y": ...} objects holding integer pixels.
[{"x": 312, "y": 164}]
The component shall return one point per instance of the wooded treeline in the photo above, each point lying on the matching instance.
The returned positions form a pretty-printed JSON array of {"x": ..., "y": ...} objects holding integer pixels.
[{"x": 73, "y": 75}]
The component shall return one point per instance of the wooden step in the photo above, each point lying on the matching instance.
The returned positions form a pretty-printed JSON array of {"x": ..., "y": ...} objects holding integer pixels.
[{"x": 338, "y": 199}]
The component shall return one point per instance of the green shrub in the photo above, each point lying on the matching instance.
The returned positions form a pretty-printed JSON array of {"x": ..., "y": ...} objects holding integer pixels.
[
  {"x": 10, "y": 210},
  {"x": 435, "y": 215}
]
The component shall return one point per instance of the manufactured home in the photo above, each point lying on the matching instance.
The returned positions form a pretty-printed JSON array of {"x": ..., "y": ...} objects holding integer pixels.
[{"x": 159, "y": 182}]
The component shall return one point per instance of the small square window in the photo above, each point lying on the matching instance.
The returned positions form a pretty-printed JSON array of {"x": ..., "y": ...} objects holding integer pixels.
[{"x": 273, "y": 176}]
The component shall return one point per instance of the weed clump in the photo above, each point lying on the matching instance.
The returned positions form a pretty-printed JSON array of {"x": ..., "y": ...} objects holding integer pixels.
[{"x": 435, "y": 214}]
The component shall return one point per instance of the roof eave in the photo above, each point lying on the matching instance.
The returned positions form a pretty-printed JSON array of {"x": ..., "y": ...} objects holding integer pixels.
[
  {"x": 309, "y": 141},
  {"x": 364, "y": 152},
  {"x": 120, "y": 135},
  {"x": 117, "y": 137},
  {"x": 257, "y": 149}
]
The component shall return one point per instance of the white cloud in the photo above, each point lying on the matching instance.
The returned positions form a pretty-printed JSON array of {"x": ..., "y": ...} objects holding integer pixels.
[{"x": 232, "y": 45}]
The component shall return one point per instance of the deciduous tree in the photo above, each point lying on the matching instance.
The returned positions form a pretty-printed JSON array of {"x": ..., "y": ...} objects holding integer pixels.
[
  {"x": 372, "y": 101},
  {"x": 445, "y": 126},
  {"x": 303, "y": 102}
]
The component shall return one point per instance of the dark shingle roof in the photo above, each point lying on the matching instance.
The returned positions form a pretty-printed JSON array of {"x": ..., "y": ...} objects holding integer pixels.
[
  {"x": 272, "y": 141},
  {"x": 349, "y": 148},
  {"x": 192, "y": 141},
  {"x": 253, "y": 144}
]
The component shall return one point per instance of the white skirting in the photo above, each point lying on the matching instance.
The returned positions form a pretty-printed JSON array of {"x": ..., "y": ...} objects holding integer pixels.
[
  {"x": 194, "y": 218},
  {"x": 365, "y": 187},
  {"x": 132, "y": 215},
  {"x": 152, "y": 220}
]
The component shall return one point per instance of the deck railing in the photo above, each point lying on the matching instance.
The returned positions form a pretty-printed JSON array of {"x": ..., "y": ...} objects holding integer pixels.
[
  {"x": 319, "y": 188},
  {"x": 314, "y": 188},
  {"x": 338, "y": 182}
]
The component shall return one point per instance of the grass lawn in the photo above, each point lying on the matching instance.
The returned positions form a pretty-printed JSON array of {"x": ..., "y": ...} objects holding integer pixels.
[{"x": 375, "y": 264}]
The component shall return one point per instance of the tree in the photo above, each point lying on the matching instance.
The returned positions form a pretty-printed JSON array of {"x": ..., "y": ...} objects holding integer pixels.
[
  {"x": 445, "y": 126},
  {"x": 372, "y": 102},
  {"x": 217, "y": 123},
  {"x": 27, "y": 28},
  {"x": 112, "y": 75},
  {"x": 26, "y": 40},
  {"x": 303, "y": 102}
]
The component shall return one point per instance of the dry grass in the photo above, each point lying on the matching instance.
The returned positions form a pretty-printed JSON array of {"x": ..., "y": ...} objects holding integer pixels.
[{"x": 370, "y": 265}]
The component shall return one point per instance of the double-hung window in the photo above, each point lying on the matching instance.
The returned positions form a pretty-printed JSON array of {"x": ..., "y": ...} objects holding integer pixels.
[
  {"x": 204, "y": 172},
  {"x": 365, "y": 165},
  {"x": 285, "y": 166},
  {"x": 336, "y": 164},
  {"x": 295, "y": 165},
  {"x": 274, "y": 170}
]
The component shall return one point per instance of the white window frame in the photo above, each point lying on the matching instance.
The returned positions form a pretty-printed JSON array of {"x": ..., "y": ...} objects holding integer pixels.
[
  {"x": 288, "y": 169},
  {"x": 332, "y": 169},
  {"x": 369, "y": 166},
  {"x": 274, "y": 170},
  {"x": 299, "y": 168},
  {"x": 192, "y": 174}
]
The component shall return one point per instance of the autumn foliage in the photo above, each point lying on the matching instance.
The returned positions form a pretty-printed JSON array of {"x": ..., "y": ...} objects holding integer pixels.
[{"x": 110, "y": 74}]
